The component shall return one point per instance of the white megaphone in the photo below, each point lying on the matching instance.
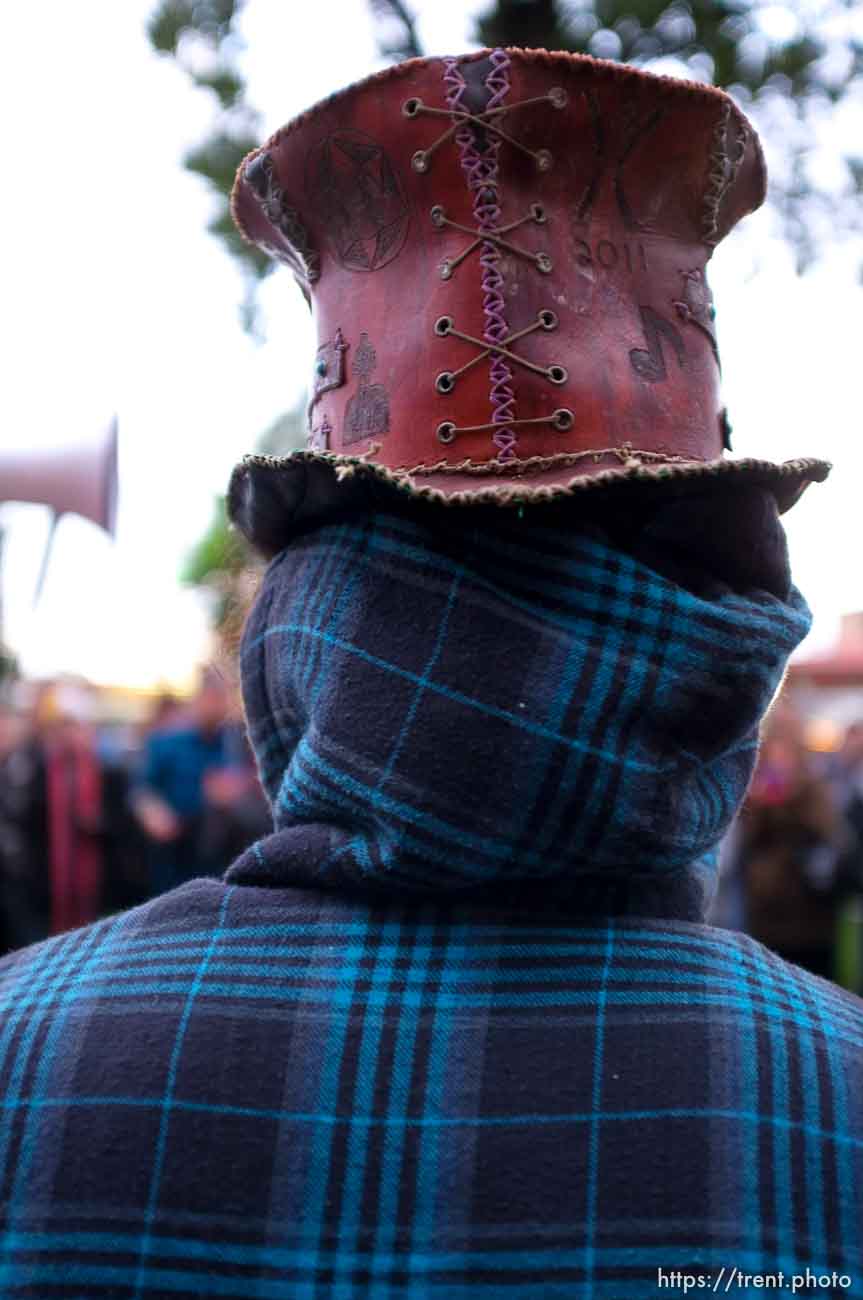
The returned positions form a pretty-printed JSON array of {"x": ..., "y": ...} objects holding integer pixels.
[{"x": 80, "y": 478}]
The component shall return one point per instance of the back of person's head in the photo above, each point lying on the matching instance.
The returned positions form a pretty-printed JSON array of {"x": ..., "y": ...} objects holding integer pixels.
[{"x": 457, "y": 698}]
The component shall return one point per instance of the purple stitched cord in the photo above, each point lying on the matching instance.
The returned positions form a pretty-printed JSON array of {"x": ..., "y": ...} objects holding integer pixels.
[{"x": 481, "y": 171}]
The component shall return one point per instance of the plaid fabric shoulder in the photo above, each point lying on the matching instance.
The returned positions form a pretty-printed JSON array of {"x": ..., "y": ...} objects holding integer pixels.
[{"x": 247, "y": 1092}]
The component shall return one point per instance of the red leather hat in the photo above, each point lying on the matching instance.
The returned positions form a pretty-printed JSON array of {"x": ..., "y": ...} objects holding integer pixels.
[{"x": 505, "y": 256}]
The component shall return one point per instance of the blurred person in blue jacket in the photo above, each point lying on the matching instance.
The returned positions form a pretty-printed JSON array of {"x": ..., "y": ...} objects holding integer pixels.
[{"x": 197, "y": 790}]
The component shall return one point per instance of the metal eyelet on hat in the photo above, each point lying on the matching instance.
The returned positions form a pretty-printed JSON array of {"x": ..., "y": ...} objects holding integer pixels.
[
  {"x": 497, "y": 343},
  {"x": 562, "y": 420},
  {"x": 488, "y": 120},
  {"x": 535, "y": 213},
  {"x": 546, "y": 319}
]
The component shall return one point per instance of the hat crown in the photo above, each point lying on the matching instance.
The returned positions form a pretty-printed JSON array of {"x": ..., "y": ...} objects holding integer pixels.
[{"x": 505, "y": 255}]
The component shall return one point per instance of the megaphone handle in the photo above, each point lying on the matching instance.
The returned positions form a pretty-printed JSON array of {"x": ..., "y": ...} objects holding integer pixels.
[{"x": 55, "y": 519}]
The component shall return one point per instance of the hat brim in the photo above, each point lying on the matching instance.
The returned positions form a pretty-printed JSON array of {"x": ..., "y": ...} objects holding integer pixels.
[{"x": 271, "y": 498}]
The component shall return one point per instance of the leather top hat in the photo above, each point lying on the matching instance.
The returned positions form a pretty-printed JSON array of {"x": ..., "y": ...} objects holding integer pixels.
[{"x": 505, "y": 256}]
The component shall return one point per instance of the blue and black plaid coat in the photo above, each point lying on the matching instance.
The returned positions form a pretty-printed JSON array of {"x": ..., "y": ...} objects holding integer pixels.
[
  {"x": 247, "y": 1092},
  {"x": 399, "y": 1053}
]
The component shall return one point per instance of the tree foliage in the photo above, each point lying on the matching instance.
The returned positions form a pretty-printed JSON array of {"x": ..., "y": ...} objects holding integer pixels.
[
  {"x": 201, "y": 35},
  {"x": 796, "y": 67},
  {"x": 397, "y": 33},
  {"x": 723, "y": 41},
  {"x": 221, "y": 563},
  {"x": 220, "y": 550}
]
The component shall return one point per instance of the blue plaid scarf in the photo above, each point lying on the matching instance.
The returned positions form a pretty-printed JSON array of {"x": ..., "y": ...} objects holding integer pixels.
[{"x": 446, "y": 704}]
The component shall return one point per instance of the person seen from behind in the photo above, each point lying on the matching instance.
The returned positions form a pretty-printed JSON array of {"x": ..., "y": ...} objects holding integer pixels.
[{"x": 456, "y": 1027}]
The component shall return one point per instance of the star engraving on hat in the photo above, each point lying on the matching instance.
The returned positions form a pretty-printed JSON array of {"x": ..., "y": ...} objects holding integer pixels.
[{"x": 352, "y": 180}]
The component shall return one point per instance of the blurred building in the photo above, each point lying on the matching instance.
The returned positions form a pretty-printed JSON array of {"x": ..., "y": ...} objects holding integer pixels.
[{"x": 827, "y": 688}]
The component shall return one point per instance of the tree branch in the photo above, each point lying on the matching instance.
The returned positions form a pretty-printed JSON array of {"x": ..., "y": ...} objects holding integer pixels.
[{"x": 407, "y": 48}]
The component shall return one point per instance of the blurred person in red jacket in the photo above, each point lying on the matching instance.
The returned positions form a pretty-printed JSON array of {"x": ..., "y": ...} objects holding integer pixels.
[{"x": 65, "y": 813}]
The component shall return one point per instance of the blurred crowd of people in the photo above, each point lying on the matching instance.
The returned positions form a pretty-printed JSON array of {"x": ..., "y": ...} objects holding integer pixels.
[
  {"x": 97, "y": 817},
  {"x": 792, "y": 868}
]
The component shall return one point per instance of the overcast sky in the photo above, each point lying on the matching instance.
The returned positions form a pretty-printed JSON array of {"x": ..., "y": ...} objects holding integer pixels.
[{"x": 115, "y": 299}]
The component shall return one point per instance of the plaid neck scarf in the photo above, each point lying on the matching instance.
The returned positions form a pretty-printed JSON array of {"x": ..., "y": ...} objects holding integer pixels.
[{"x": 461, "y": 706}]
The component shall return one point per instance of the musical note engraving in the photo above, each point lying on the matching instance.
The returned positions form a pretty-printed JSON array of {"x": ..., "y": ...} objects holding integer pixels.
[{"x": 649, "y": 363}]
